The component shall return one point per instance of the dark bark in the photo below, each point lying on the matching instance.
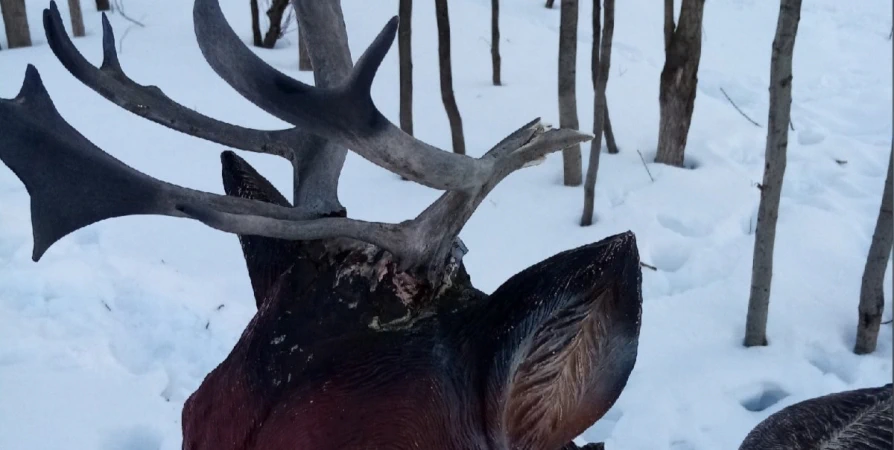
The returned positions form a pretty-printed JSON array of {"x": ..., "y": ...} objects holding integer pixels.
[
  {"x": 405, "y": 59},
  {"x": 255, "y": 24},
  {"x": 495, "y": 41},
  {"x": 774, "y": 171},
  {"x": 679, "y": 80},
  {"x": 571, "y": 156},
  {"x": 275, "y": 15},
  {"x": 446, "y": 75},
  {"x": 103, "y": 5},
  {"x": 872, "y": 295},
  {"x": 15, "y": 19},
  {"x": 550, "y": 3},
  {"x": 600, "y": 65},
  {"x": 610, "y": 134},
  {"x": 77, "y": 18},
  {"x": 304, "y": 63}
]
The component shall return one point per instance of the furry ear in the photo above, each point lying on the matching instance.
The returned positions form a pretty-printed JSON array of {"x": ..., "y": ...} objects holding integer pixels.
[
  {"x": 266, "y": 258},
  {"x": 563, "y": 340},
  {"x": 859, "y": 419}
]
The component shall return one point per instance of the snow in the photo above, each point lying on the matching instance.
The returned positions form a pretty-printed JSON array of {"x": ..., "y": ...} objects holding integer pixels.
[{"x": 105, "y": 338}]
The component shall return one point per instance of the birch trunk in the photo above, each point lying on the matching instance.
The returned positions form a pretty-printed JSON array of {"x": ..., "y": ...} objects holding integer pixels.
[
  {"x": 872, "y": 297},
  {"x": 774, "y": 170},
  {"x": 571, "y": 156},
  {"x": 601, "y": 62}
]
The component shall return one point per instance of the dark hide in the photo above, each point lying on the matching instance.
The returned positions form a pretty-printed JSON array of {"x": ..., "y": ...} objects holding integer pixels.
[
  {"x": 861, "y": 419},
  {"x": 337, "y": 360}
]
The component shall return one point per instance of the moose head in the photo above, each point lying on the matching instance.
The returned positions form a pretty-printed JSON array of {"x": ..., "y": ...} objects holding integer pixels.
[{"x": 367, "y": 335}]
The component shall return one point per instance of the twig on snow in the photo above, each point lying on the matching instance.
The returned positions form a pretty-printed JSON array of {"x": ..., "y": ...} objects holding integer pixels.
[
  {"x": 645, "y": 165},
  {"x": 648, "y": 266},
  {"x": 120, "y": 8},
  {"x": 740, "y": 111}
]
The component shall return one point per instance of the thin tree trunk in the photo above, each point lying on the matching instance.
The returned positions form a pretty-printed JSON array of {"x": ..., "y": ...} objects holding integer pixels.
[
  {"x": 550, "y": 3},
  {"x": 679, "y": 80},
  {"x": 600, "y": 64},
  {"x": 456, "y": 123},
  {"x": 274, "y": 14},
  {"x": 405, "y": 58},
  {"x": 77, "y": 18},
  {"x": 571, "y": 157},
  {"x": 304, "y": 63},
  {"x": 103, "y": 5},
  {"x": 610, "y": 134},
  {"x": 255, "y": 24},
  {"x": 495, "y": 40},
  {"x": 15, "y": 19},
  {"x": 872, "y": 297},
  {"x": 669, "y": 25},
  {"x": 774, "y": 170}
]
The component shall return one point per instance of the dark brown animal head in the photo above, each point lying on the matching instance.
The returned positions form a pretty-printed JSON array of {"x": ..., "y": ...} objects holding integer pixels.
[{"x": 367, "y": 335}]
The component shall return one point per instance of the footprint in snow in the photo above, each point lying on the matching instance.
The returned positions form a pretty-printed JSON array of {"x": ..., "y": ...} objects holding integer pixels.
[
  {"x": 688, "y": 228},
  {"x": 670, "y": 257},
  {"x": 139, "y": 437},
  {"x": 832, "y": 364},
  {"x": 767, "y": 395}
]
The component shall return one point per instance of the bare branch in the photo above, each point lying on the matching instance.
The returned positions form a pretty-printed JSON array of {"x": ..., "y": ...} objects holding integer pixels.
[{"x": 740, "y": 111}]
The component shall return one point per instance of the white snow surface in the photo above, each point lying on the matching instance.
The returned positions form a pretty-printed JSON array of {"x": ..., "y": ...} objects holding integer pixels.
[{"x": 102, "y": 341}]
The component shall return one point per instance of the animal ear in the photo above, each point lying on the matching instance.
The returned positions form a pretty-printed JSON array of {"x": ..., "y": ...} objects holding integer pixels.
[
  {"x": 266, "y": 258},
  {"x": 563, "y": 340},
  {"x": 857, "y": 419}
]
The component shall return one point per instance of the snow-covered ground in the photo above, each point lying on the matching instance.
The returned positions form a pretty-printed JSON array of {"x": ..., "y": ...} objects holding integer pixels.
[{"x": 102, "y": 341}]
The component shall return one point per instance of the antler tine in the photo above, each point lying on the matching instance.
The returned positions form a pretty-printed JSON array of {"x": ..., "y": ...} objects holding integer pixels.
[
  {"x": 110, "y": 81},
  {"x": 344, "y": 113},
  {"x": 425, "y": 241},
  {"x": 73, "y": 183}
]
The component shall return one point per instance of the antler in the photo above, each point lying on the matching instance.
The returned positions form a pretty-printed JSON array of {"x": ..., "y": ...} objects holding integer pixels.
[{"x": 74, "y": 184}]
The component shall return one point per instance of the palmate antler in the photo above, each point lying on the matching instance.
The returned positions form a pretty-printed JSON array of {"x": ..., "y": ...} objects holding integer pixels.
[{"x": 73, "y": 183}]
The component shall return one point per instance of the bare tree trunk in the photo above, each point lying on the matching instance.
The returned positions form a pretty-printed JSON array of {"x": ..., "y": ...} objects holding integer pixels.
[
  {"x": 304, "y": 63},
  {"x": 599, "y": 66},
  {"x": 405, "y": 57},
  {"x": 872, "y": 297},
  {"x": 15, "y": 19},
  {"x": 274, "y": 14},
  {"x": 679, "y": 79},
  {"x": 495, "y": 40},
  {"x": 456, "y": 123},
  {"x": 571, "y": 157},
  {"x": 610, "y": 134},
  {"x": 103, "y": 5},
  {"x": 77, "y": 18},
  {"x": 550, "y": 3},
  {"x": 255, "y": 24},
  {"x": 774, "y": 170}
]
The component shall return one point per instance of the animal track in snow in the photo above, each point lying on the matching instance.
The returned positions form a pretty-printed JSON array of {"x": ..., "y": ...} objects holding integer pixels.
[
  {"x": 134, "y": 438},
  {"x": 768, "y": 395},
  {"x": 832, "y": 364},
  {"x": 670, "y": 257},
  {"x": 689, "y": 228}
]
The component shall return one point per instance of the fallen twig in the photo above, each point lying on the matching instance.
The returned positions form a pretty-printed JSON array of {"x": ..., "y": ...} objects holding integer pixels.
[
  {"x": 119, "y": 7},
  {"x": 648, "y": 266},
  {"x": 841, "y": 162},
  {"x": 121, "y": 42},
  {"x": 645, "y": 165},
  {"x": 887, "y": 322},
  {"x": 737, "y": 109}
]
